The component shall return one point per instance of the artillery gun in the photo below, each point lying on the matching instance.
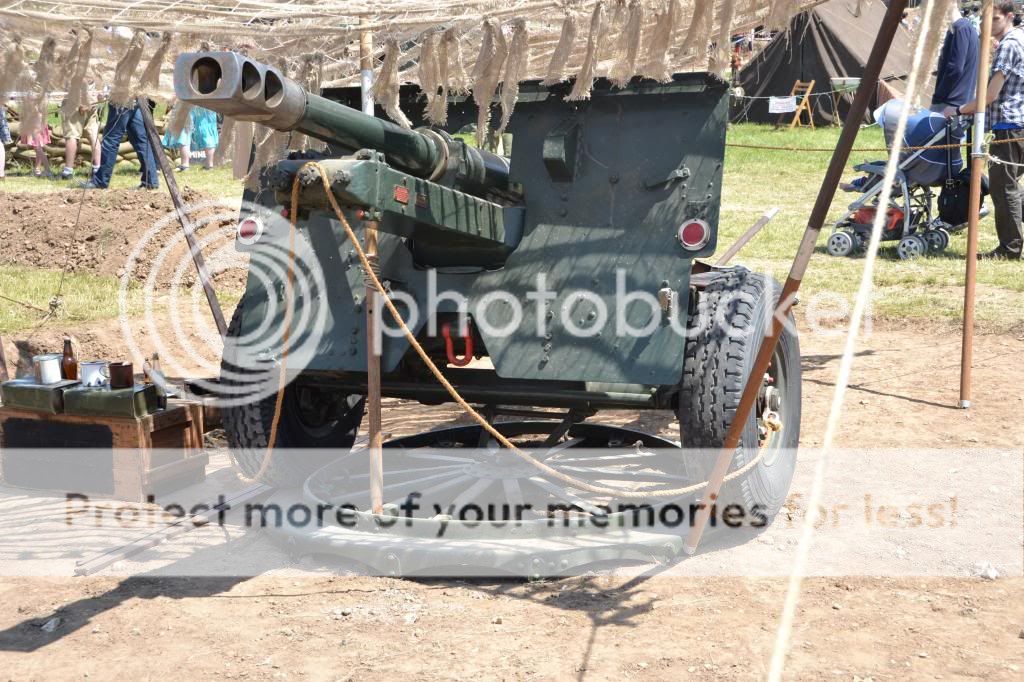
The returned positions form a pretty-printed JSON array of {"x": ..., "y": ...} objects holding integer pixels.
[{"x": 575, "y": 261}]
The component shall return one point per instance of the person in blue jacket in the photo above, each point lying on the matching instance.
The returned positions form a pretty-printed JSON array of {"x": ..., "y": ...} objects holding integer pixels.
[{"x": 957, "y": 75}]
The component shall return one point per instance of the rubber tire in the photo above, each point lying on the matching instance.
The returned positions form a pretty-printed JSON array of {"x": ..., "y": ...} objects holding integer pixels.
[
  {"x": 247, "y": 428},
  {"x": 715, "y": 370},
  {"x": 845, "y": 252},
  {"x": 936, "y": 241}
]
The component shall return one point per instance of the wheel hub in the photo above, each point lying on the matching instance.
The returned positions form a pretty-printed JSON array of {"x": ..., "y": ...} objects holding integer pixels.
[
  {"x": 769, "y": 422},
  {"x": 911, "y": 247}
]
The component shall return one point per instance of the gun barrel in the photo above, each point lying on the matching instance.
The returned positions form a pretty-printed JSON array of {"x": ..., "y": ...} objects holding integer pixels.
[{"x": 236, "y": 86}]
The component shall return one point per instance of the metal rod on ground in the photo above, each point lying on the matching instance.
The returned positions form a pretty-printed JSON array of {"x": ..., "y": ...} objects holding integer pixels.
[
  {"x": 373, "y": 338},
  {"x": 169, "y": 532},
  {"x": 977, "y": 168},
  {"x": 748, "y": 235},
  {"x": 872, "y": 70},
  {"x": 186, "y": 224}
]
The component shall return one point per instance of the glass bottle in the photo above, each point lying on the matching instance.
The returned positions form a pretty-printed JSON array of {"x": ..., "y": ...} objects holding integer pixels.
[{"x": 69, "y": 363}]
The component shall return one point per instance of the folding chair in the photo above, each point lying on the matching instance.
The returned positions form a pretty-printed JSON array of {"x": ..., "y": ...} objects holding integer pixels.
[{"x": 802, "y": 91}]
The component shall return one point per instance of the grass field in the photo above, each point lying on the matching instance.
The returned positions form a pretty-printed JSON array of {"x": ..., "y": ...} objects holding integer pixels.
[
  {"x": 84, "y": 297},
  {"x": 216, "y": 182},
  {"x": 926, "y": 290}
]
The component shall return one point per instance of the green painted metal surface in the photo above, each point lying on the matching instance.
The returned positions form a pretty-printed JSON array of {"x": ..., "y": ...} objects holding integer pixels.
[
  {"x": 111, "y": 402},
  {"x": 429, "y": 214},
  {"x": 605, "y": 184},
  {"x": 25, "y": 394}
]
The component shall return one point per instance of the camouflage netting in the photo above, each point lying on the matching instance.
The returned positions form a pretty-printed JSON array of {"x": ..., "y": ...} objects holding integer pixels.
[{"x": 487, "y": 47}]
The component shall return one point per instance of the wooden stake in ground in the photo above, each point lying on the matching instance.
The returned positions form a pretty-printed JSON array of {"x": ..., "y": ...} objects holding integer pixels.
[
  {"x": 372, "y": 349},
  {"x": 886, "y": 32},
  {"x": 4, "y": 376},
  {"x": 977, "y": 168},
  {"x": 186, "y": 224},
  {"x": 373, "y": 376}
]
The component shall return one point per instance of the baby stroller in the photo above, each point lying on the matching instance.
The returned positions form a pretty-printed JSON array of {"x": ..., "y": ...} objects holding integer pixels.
[{"x": 909, "y": 218}]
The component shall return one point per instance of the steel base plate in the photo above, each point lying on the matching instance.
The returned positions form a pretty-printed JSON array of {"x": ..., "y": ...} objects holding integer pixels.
[
  {"x": 432, "y": 479},
  {"x": 386, "y": 554}
]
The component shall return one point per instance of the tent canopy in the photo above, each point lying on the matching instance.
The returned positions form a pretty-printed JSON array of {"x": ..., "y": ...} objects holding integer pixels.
[
  {"x": 831, "y": 40},
  {"x": 561, "y": 38}
]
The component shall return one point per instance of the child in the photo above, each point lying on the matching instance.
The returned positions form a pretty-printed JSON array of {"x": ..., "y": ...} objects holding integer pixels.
[
  {"x": 5, "y": 138},
  {"x": 204, "y": 133},
  {"x": 37, "y": 140},
  {"x": 183, "y": 142}
]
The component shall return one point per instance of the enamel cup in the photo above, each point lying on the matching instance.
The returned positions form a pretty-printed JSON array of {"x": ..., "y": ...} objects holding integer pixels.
[
  {"x": 94, "y": 373},
  {"x": 47, "y": 368}
]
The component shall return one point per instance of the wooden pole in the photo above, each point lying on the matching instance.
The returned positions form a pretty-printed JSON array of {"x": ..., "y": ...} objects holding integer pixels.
[
  {"x": 373, "y": 377},
  {"x": 372, "y": 349},
  {"x": 827, "y": 191},
  {"x": 186, "y": 223},
  {"x": 366, "y": 70},
  {"x": 977, "y": 169}
]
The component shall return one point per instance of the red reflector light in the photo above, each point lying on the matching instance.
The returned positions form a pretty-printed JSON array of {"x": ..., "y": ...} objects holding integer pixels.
[
  {"x": 694, "y": 234},
  {"x": 401, "y": 194},
  {"x": 249, "y": 230}
]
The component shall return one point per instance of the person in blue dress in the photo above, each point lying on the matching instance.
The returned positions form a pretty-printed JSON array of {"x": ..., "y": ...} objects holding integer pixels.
[
  {"x": 200, "y": 133},
  {"x": 204, "y": 134},
  {"x": 182, "y": 142}
]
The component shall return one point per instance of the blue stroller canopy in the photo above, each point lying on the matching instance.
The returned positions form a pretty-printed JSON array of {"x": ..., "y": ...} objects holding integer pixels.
[{"x": 924, "y": 128}]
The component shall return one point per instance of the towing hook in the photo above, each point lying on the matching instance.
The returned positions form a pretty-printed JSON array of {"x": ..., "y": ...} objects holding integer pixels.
[
  {"x": 449, "y": 346},
  {"x": 772, "y": 421}
]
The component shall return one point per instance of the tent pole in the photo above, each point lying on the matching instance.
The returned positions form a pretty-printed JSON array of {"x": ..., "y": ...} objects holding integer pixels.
[
  {"x": 366, "y": 70},
  {"x": 872, "y": 71},
  {"x": 373, "y": 409},
  {"x": 977, "y": 168}
]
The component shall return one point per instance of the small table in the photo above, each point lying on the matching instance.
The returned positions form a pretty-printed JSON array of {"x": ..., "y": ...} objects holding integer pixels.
[
  {"x": 842, "y": 85},
  {"x": 122, "y": 458}
]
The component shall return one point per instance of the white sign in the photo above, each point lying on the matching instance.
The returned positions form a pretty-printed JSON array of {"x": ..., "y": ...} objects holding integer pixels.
[{"x": 781, "y": 105}]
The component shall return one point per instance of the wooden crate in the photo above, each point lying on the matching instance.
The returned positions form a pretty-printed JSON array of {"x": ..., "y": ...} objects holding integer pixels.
[{"x": 113, "y": 457}]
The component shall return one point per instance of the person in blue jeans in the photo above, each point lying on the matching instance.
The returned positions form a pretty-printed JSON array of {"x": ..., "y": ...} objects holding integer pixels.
[{"x": 119, "y": 121}]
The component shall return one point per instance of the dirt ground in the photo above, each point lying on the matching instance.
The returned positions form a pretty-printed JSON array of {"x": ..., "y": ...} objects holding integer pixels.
[
  {"x": 35, "y": 230},
  {"x": 305, "y": 624},
  {"x": 339, "y": 628},
  {"x": 903, "y": 391}
]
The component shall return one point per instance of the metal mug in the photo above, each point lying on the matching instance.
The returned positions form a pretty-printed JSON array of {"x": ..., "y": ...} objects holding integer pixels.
[
  {"x": 94, "y": 373},
  {"x": 47, "y": 368},
  {"x": 122, "y": 375}
]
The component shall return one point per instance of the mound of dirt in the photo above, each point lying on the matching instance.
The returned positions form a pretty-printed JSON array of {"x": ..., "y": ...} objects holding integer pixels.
[{"x": 39, "y": 230}]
